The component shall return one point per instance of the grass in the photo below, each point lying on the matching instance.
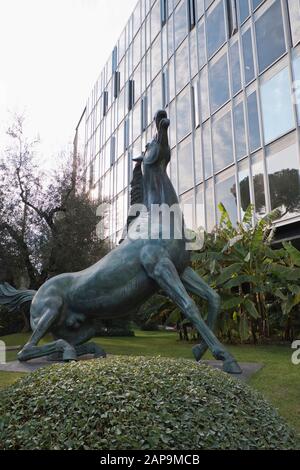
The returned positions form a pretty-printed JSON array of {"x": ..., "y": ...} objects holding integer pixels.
[{"x": 278, "y": 380}]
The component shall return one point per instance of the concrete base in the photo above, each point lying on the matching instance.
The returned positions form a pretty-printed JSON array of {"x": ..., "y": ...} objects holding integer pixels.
[{"x": 248, "y": 368}]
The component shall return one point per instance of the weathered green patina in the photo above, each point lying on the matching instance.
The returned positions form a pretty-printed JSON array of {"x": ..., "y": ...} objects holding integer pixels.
[{"x": 67, "y": 305}]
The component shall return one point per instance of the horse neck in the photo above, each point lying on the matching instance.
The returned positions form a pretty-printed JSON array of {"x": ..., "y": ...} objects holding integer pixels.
[{"x": 158, "y": 188}]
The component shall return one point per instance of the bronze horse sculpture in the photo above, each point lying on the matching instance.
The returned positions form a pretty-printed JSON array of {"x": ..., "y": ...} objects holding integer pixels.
[{"x": 66, "y": 305}]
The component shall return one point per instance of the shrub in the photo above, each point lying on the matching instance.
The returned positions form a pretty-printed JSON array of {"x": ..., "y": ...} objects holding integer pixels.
[{"x": 137, "y": 403}]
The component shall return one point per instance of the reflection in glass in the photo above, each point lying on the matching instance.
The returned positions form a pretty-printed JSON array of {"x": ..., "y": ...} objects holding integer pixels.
[
  {"x": 183, "y": 114},
  {"x": 296, "y": 84},
  {"x": 207, "y": 150},
  {"x": 210, "y": 208},
  {"x": 193, "y": 53},
  {"x": 255, "y": 3},
  {"x": 180, "y": 23},
  {"x": 172, "y": 128},
  {"x": 204, "y": 107},
  {"x": 226, "y": 194},
  {"x": 239, "y": 131},
  {"x": 182, "y": 66},
  {"x": 201, "y": 45},
  {"x": 244, "y": 186},
  {"x": 187, "y": 206},
  {"x": 200, "y": 8},
  {"x": 258, "y": 185},
  {"x": 185, "y": 166},
  {"x": 173, "y": 168},
  {"x": 155, "y": 20},
  {"x": 294, "y": 10},
  {"x": 270, "y": 36},
  {"x": 222, "y": 142},
  {"x": 216, "y": 35},
  {"x": 254, "y": 133},
  {"x": 235, "y": 68},
  {"x": 200, "y": 214},
  {"x": 284, "y": 179},
  {"x": 171, "y": 79},
  {"x": 243, "y": 10},
  {"x": 170, "y": 37},
  {"x": 218, "y": 83},
  {"x": 277, "y": 109},
  {"x": 156, "y": 57},
  {"x": 156, "y": 95},
  {"x": 248, "y": 56},
  {"x": 198, "y": 157}
]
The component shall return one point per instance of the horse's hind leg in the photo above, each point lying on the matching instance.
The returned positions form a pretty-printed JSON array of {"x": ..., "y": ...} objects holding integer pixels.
[
  {"x": 31, "y": 350},
  {"x": 193, "y": 283}
]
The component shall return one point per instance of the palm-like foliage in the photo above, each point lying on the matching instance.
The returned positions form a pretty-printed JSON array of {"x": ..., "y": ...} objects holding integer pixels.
[{"x": 255, "y": 281}]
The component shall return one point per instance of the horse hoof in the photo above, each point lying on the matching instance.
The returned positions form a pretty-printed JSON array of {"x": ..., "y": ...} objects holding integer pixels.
[
  {"x": 69, "y": 355},
  {"x": 231, "y": 367},
  {"x": 198, "y": 351}
]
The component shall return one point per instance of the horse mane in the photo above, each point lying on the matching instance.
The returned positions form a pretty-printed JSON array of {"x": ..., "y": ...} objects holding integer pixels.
[{"x": 136, "y": 196}]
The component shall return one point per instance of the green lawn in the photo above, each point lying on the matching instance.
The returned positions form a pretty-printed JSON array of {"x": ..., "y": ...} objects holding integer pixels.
[{"x": 278, "y": 380}]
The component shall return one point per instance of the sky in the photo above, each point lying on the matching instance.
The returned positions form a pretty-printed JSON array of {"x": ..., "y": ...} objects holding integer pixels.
[{"x": 51, "y": 53}]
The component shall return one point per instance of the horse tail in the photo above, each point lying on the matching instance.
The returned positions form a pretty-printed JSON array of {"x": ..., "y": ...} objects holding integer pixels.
[{"x": 13, "y": 298}]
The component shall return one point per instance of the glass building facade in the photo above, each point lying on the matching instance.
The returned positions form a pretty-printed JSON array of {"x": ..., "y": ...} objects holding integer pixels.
[{"x": 228, "y": 74}]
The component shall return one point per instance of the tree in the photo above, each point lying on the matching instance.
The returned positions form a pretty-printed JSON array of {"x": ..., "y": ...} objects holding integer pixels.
[{"x": 46, "y": 226}]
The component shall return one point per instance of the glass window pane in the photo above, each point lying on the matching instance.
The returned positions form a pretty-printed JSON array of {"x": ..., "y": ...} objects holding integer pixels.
[
  {"x": 210, "y": 208},
  {"x": 258, "y": 185},
  {"x": 170, "y": 37},
  {"x": 294, "y": 9},
  {"x": 198, "y": 157},
  {"x": 235, "y": 68},
  {"x": 254, "y": 133},
  {"x": 183, "y": 114},
  {"x": 204, "y": 108},
  {"x": 216, "y": 34},
  {"x": 218, "y": 83},
  {"x": 193, "y": 53},
  {"x": 277, "y": 106},
  {"x": 182, "y": 66},
  {"x": 296, "y": 85},
  {"x": 256, "y": 3},
  {"x": 155, "y": 20},
  {"x": 200, "y": 222},
  {"x": 156, "y": 57},
  {"x": 222, "y": 142},
  {"x": 185, "y": 165},
  {"x": 172, "y": 128},
  {"x": 187, "y": 203},
  {"x": 239, "y": 131},
  {"x": 201, "y": 45},
  {"x": 243, "y": 10},
  {"x": 270, "y": 36},
  {"x": 248, "y": 56},
  {"x": 207, "y": 150},
  {"x": 244, "y": 186},
  {"x": 180, "y": 23},
  {"x": 284, "y": 178},
  {"x": 226, "y": 194},
  {"x": 200, "y": 8},
  {"x": 156, "y": 95},
  {"x": 171, "y": 79}
]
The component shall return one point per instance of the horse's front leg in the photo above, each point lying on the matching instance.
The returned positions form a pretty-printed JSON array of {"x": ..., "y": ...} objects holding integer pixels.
[
  {"x": 195, "y": 284},
  {"x": 165, "y": 274}
]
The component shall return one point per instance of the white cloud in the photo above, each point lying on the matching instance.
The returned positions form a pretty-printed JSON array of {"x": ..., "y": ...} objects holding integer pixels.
[{"x": 51, "y": 53}]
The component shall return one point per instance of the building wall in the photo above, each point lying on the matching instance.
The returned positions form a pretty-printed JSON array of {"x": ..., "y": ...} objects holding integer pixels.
[{"x": 226, "y": 71}]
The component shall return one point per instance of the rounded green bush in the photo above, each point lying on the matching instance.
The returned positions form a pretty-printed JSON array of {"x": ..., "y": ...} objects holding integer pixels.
[{"x": 137, "y": 403}]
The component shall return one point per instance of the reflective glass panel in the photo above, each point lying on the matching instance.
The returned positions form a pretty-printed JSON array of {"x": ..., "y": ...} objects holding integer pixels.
[
  {"x": 235, "y": 68},
  {"x": 270, "y": 36},
  {"x": 248, "y": 56},
  {"x": 201, "y": 45},
  {"x": 254, "y": 133},
  {"x": 183, "y": 113},
  {"x": 239, "y": 131},
  {"x": 182, "y": 66},
  {"x": 210, "y": 208},
  {"x": 222, "y": 142},
  {"x": 243, "y": 10},
  {"x": 294, "y": 9},
  {"x": 244, "y": 186},
  {"x": 258, "y": 185},
  {"x": 226, "y": 194},
  {"x": 284, "y": 178},
  {"x": 198, "y": 157},
  {"x": 180, "y": 23},
  {"x": 207, "y": 150},
  {"x": 216, "y": 34},
  {"x": 185, "y": 165},
  {"x": 277, "y": 106},
  {"x": 218, "y": 83}
]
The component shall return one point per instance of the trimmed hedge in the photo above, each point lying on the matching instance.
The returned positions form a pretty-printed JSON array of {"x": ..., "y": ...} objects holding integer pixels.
[{"x": 137, "y": 403}]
